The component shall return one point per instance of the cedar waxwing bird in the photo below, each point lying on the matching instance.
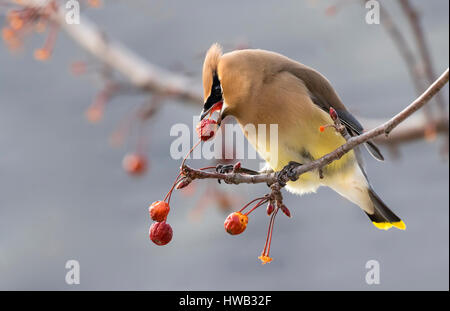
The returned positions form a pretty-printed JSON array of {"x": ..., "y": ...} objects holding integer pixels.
[{"x": 262, "y": 87}]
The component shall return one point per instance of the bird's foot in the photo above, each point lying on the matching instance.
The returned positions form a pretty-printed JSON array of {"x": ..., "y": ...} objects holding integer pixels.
[
  {"x": 224, "y": 168},
  {"x": 287, "y": 173},
  {"x": 234, "y": 168}
]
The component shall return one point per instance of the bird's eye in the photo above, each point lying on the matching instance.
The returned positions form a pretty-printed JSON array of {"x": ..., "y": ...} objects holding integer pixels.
[
  {"x": 216, "y": 84},
  {"x": 217, "y": 89}
]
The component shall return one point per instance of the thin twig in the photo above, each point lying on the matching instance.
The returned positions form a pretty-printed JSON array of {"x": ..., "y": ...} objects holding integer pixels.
[
  {"x": 136, "y": 70},
  {"x": 406, "y": 53},
  {"x": 424, "y": 52}
]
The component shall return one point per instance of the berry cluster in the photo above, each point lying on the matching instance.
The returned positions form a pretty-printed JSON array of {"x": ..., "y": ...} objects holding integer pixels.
[
  {"x": 160, "y": 232},
  {"x": 236, "y": 222}
]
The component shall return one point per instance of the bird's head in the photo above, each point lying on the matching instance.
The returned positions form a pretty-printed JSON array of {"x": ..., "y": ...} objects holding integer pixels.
[{"x": 232, "y": 81}]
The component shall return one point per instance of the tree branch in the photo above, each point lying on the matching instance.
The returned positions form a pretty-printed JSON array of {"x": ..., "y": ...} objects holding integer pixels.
[
  {"x": 422, "y": 47},
  {"x": 413, "y": 132},
  {"x": 136, "y": 70}
]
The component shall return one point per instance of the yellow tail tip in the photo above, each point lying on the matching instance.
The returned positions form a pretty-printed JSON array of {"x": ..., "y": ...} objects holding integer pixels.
[
  {"x": 387, "y": 225},
  {"x": 382, "y": 225},
  {"x": 399, "y": 225}
]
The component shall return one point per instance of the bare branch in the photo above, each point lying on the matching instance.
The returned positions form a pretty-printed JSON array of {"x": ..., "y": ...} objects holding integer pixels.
[
  {"x": 413, "y": 132},
  {"x": 404, "y": 49},
  {"x": 136, "y": 70},
  {"x": 422, "y": 47},
  {"x": 416, "y": 105}
]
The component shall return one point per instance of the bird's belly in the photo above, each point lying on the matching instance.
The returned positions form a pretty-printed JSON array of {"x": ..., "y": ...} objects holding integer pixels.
[{"x": 304, "y": 146}]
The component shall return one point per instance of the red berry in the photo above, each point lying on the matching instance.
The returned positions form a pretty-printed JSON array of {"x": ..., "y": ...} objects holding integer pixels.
[
  {"x": 160, "y": 233},
  {"x": 159, "y": 210},
  {"x": 206, "y": 129},
  {"x": 134, "y": 164},
  {"x": 236, "y": 223}
]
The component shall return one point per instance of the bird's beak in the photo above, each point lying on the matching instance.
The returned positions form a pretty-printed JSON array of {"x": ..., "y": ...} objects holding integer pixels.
[
  {"x": 216, "y": 107},
  {"x": 204, "y": 113}
]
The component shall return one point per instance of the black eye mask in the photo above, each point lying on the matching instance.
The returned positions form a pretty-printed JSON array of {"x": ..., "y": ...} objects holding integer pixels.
[{"x": 216, "y": 94}]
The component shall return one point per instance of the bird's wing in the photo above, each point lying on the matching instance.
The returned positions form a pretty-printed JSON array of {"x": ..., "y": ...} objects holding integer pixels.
[
  {"x": 353, "y": 126},
  {"x": 324, "y": 96}
]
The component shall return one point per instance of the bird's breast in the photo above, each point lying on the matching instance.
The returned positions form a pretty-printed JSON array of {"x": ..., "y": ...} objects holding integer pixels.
[{"x": 301, "y": 142}]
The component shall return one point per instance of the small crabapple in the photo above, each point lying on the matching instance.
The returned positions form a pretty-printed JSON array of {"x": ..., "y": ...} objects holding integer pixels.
[
  {"x": 160, "y": 233},
  {"x": 206, "y": 129},
  {"x": 134, "y": 164},
  {"x": 236, "y": 223},
  {"x": 159, "y": 210}
]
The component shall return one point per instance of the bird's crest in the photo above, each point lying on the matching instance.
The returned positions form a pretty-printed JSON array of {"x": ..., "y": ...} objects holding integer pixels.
[{"x": 210, "y": 67}]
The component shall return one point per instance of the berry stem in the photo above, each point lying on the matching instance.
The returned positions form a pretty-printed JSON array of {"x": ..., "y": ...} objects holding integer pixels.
[
  {"x": 257, "y": 205},
  {"x": 141, "y": 142},
  {"x": 207, "y": 168},
  {"x": 266, "y": 250},
  {"x": 246, "y": 205},
  {"x": 169, "y": 194},
  {"x": 271, "y": 232},
  {"x": 190, "y": 151}
]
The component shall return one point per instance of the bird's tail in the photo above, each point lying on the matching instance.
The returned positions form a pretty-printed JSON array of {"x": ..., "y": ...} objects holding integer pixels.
[{"x": 382, "y": 217}]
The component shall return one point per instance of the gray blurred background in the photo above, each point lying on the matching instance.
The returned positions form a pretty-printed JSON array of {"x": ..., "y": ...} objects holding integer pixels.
[{"x": 64, "y": 194}]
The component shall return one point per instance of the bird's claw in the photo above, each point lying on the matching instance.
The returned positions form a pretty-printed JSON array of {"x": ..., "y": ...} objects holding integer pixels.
[
  {"x": 287, "y": 173},
  {"x": 236, "y": 168},
  {"x": 224, "y": 169}
]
